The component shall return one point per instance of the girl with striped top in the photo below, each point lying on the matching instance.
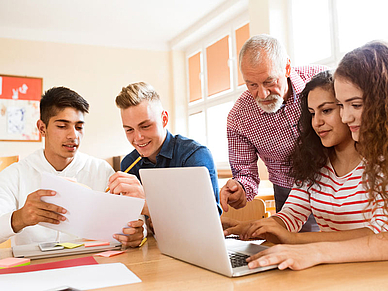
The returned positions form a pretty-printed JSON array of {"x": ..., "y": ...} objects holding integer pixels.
[
  {"x": 361, "y": 88},
  {"x": 328, "y": 172}
]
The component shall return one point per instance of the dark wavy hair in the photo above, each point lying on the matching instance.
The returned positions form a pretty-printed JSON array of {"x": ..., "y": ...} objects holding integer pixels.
[
  {"x": 309, "y": 154},
  {"x": 367, "y": 68}
]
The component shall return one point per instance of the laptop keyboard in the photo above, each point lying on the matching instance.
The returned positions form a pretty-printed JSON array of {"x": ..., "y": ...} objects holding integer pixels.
[{"x": 237, "y": 259}]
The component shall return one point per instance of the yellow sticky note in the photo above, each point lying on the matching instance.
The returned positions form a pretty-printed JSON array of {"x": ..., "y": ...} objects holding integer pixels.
[{"x": 69, "y": 245}]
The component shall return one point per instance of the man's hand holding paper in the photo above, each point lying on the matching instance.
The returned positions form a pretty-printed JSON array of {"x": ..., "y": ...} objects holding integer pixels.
[
  {"x": 35, "y": 211},
  {"x": 92, "y": 214}
]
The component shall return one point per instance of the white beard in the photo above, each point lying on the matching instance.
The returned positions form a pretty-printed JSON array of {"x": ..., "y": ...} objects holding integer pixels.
[{"x": 272, "y": 107}]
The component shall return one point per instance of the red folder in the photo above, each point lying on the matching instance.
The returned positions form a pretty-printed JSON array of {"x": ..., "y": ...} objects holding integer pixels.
[{"x": 53, "y": 265}]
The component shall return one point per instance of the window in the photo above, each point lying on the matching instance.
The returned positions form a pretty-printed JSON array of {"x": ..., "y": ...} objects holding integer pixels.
[
  {"x": 311, "y": 42},
  {"x": 195, "y": 83},
  {"x": 217, "y": 116},
  {"x": 242, "y": 35},
  {"x": 324, "y": 30},
  {"x": 217, "y": 64},
  {"x": 214, "y": 83},
  {"x": 365, "y": 21}
]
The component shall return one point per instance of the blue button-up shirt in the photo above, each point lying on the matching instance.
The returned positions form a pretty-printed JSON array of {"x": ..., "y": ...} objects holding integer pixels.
[{"x": 177, "y": 151}]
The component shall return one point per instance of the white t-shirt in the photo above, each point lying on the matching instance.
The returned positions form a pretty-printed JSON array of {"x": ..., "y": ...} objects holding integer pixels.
[{"x": 20, "y": 179}]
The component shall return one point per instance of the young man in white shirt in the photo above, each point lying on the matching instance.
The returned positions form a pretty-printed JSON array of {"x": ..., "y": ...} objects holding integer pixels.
[{"x": 21, "y": 208}]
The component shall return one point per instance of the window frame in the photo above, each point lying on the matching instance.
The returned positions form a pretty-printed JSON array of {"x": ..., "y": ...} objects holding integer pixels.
[
  {"x": 229, "y": 95},
  {"x": 336, "y": 54}
]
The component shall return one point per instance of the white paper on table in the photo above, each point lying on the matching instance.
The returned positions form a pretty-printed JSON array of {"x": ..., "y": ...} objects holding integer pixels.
[
  {"x": 90, "y": 214},
  {"x": 80, "y": 277}
]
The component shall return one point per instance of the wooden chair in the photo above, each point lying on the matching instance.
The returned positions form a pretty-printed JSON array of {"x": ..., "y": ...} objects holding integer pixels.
[
  {"x": 254, "y": 210},
  {"x": 5, "y": 162}
]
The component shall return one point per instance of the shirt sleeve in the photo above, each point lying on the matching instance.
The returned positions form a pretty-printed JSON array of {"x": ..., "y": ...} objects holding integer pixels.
[
  {"x": 109, "y": 171},
  {"x": 243, "y": 160},
  {"x": 379, "y": 219},
  {"x": 203, "y": 157},
  {"x": 296, "y": 209},
  {"x": 8, "y": 203}
]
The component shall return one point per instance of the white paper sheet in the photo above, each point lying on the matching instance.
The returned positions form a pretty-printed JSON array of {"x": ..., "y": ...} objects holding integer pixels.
[
  {"x": 91, "y": 214},
  {"x": 81, "y": 277}
]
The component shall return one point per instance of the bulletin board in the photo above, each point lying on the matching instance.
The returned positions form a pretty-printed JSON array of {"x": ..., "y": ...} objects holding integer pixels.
[{"x": 19, "y": 108}]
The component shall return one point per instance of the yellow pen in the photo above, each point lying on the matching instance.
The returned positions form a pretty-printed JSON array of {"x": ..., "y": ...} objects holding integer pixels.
[
  {"x": 128, "y": 169},
  {"x": 143, "y": 242}
]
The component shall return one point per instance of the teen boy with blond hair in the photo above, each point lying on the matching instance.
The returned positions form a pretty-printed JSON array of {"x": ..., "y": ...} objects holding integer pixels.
[{"x": 144, "y": 121}]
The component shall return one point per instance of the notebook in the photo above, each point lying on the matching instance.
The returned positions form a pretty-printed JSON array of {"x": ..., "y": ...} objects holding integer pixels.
[
  {"x": 186, "y": 221},
  {"x": 32, "y": 251}
]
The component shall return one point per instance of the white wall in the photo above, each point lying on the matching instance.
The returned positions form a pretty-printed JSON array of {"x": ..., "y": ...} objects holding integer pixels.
[
  {"x": 97, "y": 74},
  {"x": 179, "y": 80},
  {"x": 270, "y": 17}
]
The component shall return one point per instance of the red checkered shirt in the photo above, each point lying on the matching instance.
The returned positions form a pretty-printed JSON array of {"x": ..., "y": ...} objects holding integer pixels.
[{"x": 253, "y": 133}]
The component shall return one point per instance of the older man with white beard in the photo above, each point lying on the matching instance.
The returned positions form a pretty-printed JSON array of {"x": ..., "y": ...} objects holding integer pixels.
[{"x": 263, "y": 122}]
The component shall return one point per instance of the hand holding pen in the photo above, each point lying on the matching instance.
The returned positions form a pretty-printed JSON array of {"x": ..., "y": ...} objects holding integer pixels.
[
  {"x": 131, "y": 236},
  {"x": 116, "y": 179},
  {"x": 122, "y": 183}
]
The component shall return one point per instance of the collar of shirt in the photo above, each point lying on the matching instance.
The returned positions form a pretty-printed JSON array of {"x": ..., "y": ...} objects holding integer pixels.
[
  {"x": 166, "y": 151},
  {"x": 297, "y": 84}
]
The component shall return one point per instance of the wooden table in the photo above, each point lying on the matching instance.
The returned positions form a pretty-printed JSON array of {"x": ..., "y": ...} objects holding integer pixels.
[{"x": 159, "y": 272}]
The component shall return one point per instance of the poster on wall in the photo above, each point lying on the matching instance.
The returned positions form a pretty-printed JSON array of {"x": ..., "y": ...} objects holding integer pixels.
[{"x": 19, "y": 108}]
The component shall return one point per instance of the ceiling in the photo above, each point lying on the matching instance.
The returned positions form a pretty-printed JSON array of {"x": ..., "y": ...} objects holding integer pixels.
[{"x": 139, "y": 24}]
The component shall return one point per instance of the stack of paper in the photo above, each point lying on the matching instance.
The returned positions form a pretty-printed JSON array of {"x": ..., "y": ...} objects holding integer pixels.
[{"x": 13, "y": 262}]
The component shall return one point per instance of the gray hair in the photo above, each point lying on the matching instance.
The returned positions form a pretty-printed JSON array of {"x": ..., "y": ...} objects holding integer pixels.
[{"x": 261, "y": 46}]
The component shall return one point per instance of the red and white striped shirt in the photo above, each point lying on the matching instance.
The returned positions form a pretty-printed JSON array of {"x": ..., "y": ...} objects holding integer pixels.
[
  {"x": 254, "y": 133},
  {"x": 338, "y": 203}
]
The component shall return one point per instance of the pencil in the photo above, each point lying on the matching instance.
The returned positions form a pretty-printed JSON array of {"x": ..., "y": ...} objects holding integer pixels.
[
  {"x": 143, "y": 242},
  {"x": 128, "y": 169}
]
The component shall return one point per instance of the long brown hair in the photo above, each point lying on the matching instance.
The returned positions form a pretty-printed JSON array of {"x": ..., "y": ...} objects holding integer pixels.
[
  {"x": 309, "y": 154},
  {"x": 367, "y": 68}
]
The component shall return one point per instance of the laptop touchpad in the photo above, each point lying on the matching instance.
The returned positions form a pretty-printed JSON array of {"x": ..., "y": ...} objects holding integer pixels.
[{"x": 244, "y": 247}]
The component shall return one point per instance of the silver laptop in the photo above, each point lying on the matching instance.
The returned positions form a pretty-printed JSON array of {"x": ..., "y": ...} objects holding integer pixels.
[{"x": 187, "y": 224}]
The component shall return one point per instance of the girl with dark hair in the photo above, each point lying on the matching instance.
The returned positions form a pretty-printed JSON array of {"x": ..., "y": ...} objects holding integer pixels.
[
  {"x": 361, "y": 88},
  {"x": 328, "y": 171}
]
